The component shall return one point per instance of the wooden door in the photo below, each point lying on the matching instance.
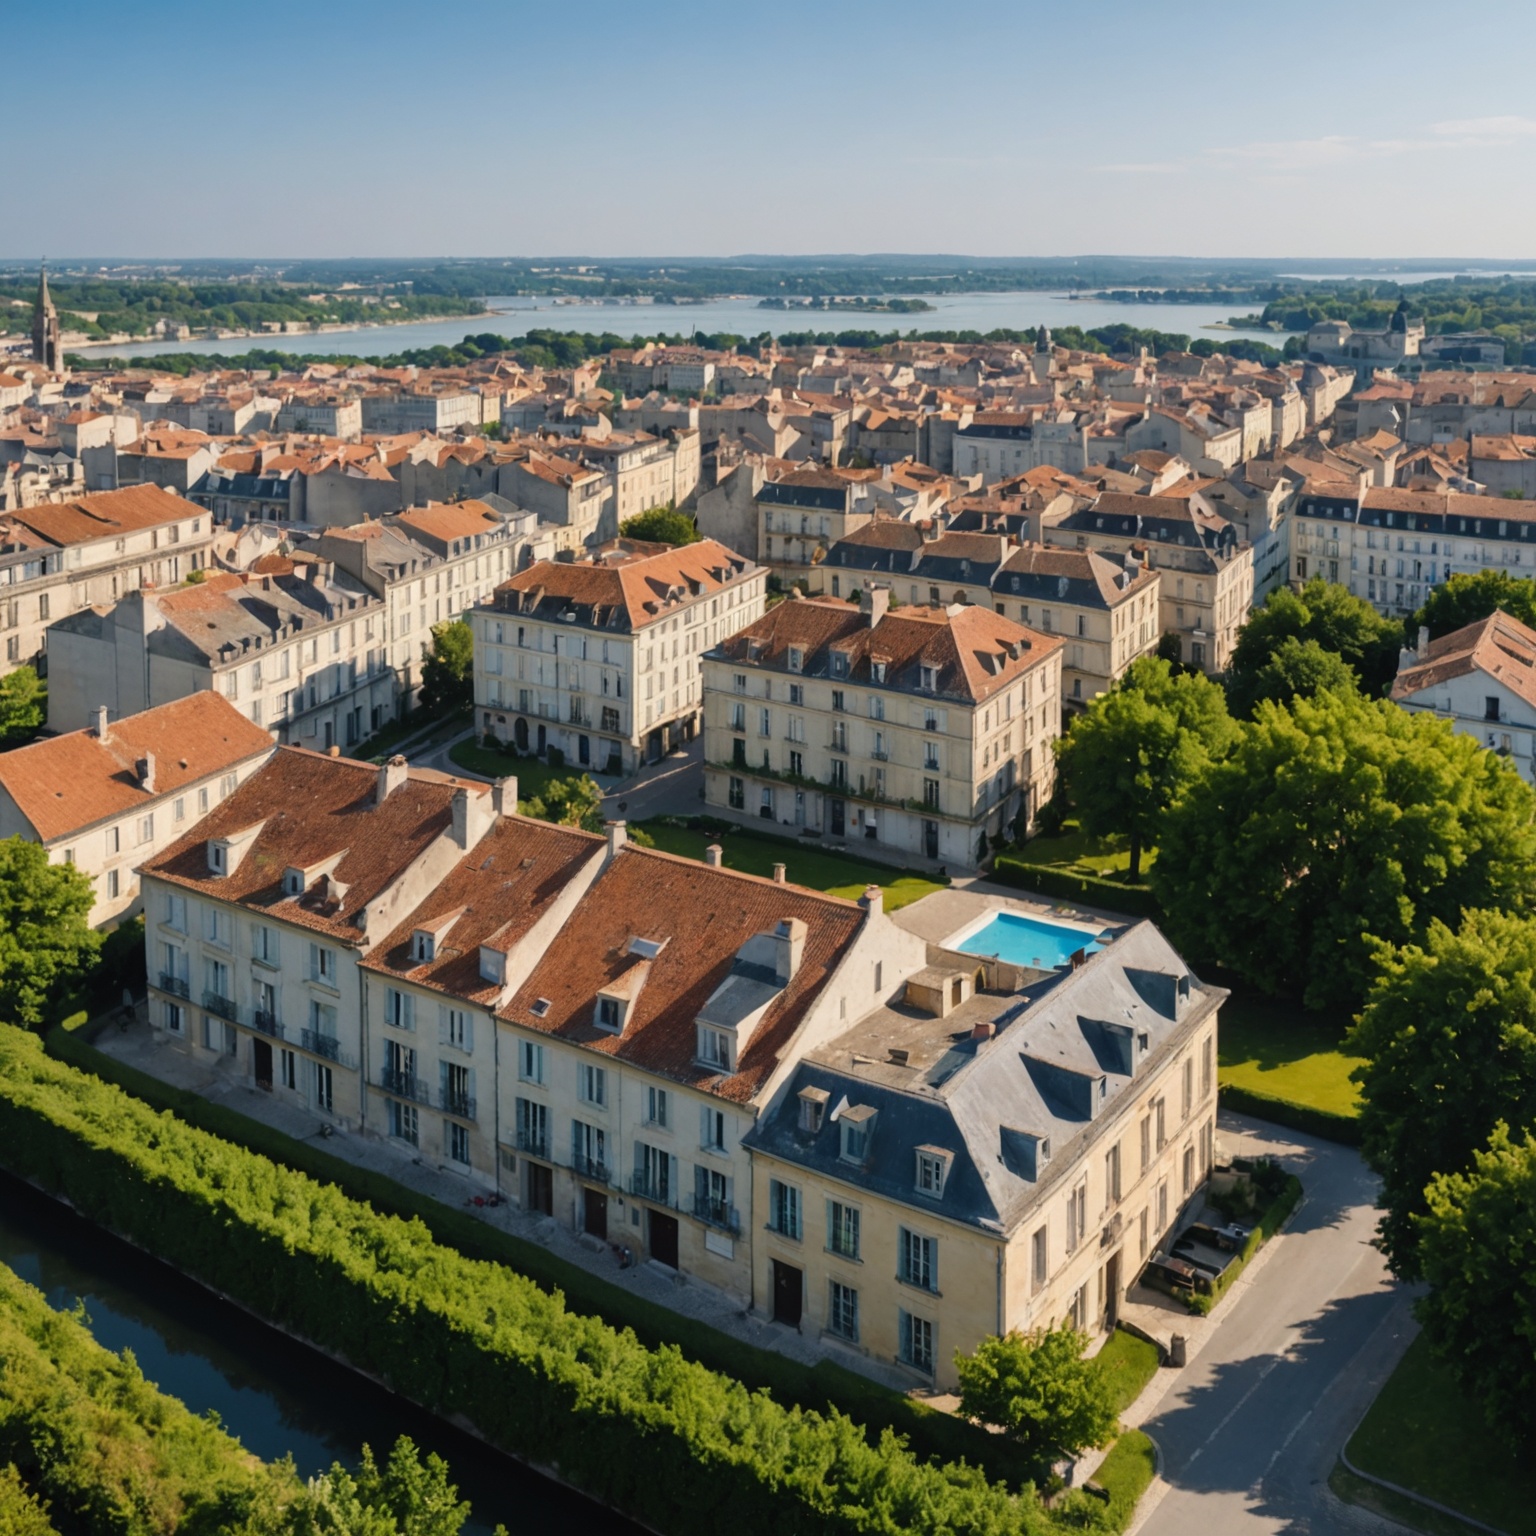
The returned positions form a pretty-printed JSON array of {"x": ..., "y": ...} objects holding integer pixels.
[
  {"x": 261, "y": 1063},
  {"x": 788, "y": 1293},
  {"x": 594, "y": 1213},
  {"x": 663, "y": 1238}
]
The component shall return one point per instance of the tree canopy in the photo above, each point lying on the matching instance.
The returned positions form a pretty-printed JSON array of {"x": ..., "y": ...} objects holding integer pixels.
[
  {"x": 661, "y": 525},
  {"x": 1038, "y": 1389},
  {"x": 447, "y": 669},
  {"x": 1322, "y": 611},
  {"x": 1135, "y": 748},
  {"x": 1470, "y": 596},
  {"x": 23, "y": 706},
  {"x": 1298, "y": 669},
  {"x": 1338, "y": 817},
  {"x": 1449, "y": 1037},
  {"x": 1478, "y": 1242},
  {"x": 46, "y": 941}
]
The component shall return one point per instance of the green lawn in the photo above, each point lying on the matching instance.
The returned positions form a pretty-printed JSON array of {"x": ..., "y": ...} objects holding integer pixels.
[
  {"x": 534, "y": 776},
  {"x": 1281, "y": 1050},
  {"x": 835, "y": 873},
  {"x": 1130, "y": 1363},
  {"x": 1072, "y": 849},
  {"x": 1422, "y": 1434}
]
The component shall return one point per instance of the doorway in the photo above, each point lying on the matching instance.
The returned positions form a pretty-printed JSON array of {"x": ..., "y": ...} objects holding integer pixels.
[
  {"x": 261, "y": 1064},
  {"x": 584, "y": 750},
  {"x": 520, "y": 733},
  {"x": 836, "y": 813},
  {"x": 931, "y": 839},
  {"x": 788, "y": 1293},
  {"x": 662, "y": 1234},
  {"x": 594, "y": 1213},
  {"x": 538, "y": 1188},
  {"x": 543, "y": 739},
  {"x": 1112, "y": 1291}
]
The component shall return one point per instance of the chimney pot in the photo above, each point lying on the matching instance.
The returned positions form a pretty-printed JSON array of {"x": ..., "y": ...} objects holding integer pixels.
[
  {"x": 100, "y": 726},
  {"x": 873, "y": 899},
  {"x": 778, "y": 874},
  {"x": 618, "y": 836},
  {"x": 714, "y": 855},
  {"x": 333, "y": 750},
  {"x": 984, "y": 1030},
  {"x": 391, "y": 776}
]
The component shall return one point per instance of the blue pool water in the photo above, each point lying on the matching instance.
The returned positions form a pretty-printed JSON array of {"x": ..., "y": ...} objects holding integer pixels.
[{"x": 1032, "y": 941}]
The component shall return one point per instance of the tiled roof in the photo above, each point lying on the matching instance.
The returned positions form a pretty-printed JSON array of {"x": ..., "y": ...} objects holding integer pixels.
[
  {"x": 499, "y": 891},
  {"x": 701, "y": 916},
  {"x": 69, "y": 782},
  {"x": 313, "y": 808},
  {"x": 106, "y": 515},
  {"x": 1500, "y": 647}
]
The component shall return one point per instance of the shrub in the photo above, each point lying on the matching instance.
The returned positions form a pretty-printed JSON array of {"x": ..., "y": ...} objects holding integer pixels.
[
  {"x": 1283, "y": 1191},
  {"x": 1066, "y": 885},
  {"x": 1322, "y": 1123}
]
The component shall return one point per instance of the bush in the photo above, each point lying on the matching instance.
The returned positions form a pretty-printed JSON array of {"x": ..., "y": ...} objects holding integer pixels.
[
  {"x": 1322, "y": 1123},
  {"x": 649, "y": 1432},
  {"x": 1283, "y": 1191},
  {"x": 1093, "y": 890}
]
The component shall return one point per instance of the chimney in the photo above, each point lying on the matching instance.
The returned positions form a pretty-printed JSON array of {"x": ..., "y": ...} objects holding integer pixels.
[
  {"x": 714, "y": 855},
  {"x": 391, "y": 776},
  {"x": 874, "y": 601},
  {"x": 788, "y": 948},
  {"x": 145, "y": 769},
  {"x": 984, "y": 1029},
  {"x": 504, "y": 795},
  {"x": 778, "y": 874},
  {"x": 333, "y": 750},
  {"x": 470, "y": 817},
  {"x": 100, "y": 727},
  {"x": 618, "y": 836},
  {"x": 873, "y": 900},
  {"x": 1423, "y": 642}
]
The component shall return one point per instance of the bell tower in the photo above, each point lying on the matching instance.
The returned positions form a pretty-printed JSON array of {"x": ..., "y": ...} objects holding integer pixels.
[{"x": 46, "y": 348}]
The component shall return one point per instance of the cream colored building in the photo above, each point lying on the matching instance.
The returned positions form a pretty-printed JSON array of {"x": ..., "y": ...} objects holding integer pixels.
[
  {"x": 599, "y": 658},
  {"x": 914, "y": 734},
  {"x": 801, "y": 515},
  {"x": 1000, "y": 1151}
]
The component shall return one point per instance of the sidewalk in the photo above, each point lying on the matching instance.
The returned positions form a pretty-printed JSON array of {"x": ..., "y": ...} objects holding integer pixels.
[{"x": 683, "y": 1294}]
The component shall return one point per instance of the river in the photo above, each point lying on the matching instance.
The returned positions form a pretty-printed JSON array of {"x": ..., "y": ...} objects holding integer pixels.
[
  {"x": 274, "y": 1394},
  {"x": 513, "y": 316}
]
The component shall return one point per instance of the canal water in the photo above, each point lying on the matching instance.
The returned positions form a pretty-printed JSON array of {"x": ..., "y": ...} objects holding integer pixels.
[{"x": 275, "y": 1395}]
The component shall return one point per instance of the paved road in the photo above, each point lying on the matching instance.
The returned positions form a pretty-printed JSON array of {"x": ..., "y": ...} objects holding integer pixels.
[
  {"x": 1251, "y": 1429},
  {"x": 668, "y": 788}
]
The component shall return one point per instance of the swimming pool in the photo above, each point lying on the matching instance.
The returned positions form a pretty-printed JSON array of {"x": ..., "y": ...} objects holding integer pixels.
[{"x": 1031, "y": 941}]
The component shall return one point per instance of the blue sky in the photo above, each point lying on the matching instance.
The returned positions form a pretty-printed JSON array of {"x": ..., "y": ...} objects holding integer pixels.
[{"x": 1355, "y": 128}]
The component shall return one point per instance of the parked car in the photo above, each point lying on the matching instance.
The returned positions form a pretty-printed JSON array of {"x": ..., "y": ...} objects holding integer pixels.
[{"x": 1223, "y": 1239}]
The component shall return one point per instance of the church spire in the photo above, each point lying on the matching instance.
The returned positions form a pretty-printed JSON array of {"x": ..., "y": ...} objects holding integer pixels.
[{"x": 46, "y": 334}]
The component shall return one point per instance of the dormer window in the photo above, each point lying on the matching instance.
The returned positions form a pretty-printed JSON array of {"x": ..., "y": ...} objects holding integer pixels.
[
  {"x": 423, "y": 947},
  {"x": 932, "y": 1170},
  {"x": 610, "y": 1014},
  {"x": 493, "y": 965},
  {"x": 715, "y": 1048},
  {"x": 813, "y": 1108},
  {"x": 857, "y": 1124},
  {"x": 877, "y": 671},
  {"x": 839, "y": 664},
  {"x": 293, "y": 882},
  {"x": 930, "y": 679},
  {"x": 796, "y": 658},
  {"x": 217, "y": 858}
]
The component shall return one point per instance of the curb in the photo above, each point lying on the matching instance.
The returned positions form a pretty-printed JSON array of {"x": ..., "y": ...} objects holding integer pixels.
[{"x": 1406, "y": 1493}]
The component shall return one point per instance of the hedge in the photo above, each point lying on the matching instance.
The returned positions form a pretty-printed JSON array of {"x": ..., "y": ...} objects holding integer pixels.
[
  {"x": 1268, "y": 1224},
  {"x": 1065, "y": 885},
  {"x": 646, "y": 1431},
  {"x": 20, "y": 1513},
  {"x": 822, "y": 1386},
  {"x": 1322, "y": 1123}
]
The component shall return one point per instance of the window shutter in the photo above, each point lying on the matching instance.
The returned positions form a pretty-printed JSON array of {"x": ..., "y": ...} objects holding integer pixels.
[
  {"x": 442, "y": 1025},
  {"x": 469, "y": 1082},
  {"x": 700, "y": 1182},
  {"x": 469, "y": 1031},
  {"x": 704, "y": 1126}
]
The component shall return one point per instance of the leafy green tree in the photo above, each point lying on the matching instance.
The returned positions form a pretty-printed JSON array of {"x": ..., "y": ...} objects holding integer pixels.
[
  {"x": 23, "y": 706},
  {"x": 1449, "y": 1037},
  {"x": 447, "y": 670},
  {"x": 1327, "y": 613},
  {"x": 1038, "y": 1388},
  {"x": 46, "y": 942},
  {"x": 1337, "y": 817},
  {"x": 1298, "y": 669},
  {"x": 1468, "y": 597},
  {"x": 1135, "y": 748},
  {"x": 569, "y": 802},
  {"x": 20, "y": 1513},
  {"x": 661, "y": 525},
  {"x": 1478, "y": 1244},
  {"x": 406, "y": 1497}
]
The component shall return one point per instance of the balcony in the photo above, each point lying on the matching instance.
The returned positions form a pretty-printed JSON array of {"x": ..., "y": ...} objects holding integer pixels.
[
  {"x": 265, "y": 1022},
  {"x": 590, "y": 1167},
  {"x": 717, "y": 1213},
  {"x": 646, "y": 1187},
  {"x": 177, "y": 986},
  {"x": 534, "y": 1143},
  {"x": 327, "y": 1046},
  {"x": 879, "y": 754},
  {"x": 404, "y": 1085},
  {"x": 223, "y": 1006},
  {"x": 454, "y": 1101}
]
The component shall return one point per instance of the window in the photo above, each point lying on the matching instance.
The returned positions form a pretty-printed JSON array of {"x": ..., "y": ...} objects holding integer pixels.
[
  {"x": 175, "y": 1018},
  {"x": 711, "y": 1129},
  {"x": 842, "y": 1229},
  {"x": 1160, "y": 1119},
  {"x": 288, "y": 1069},
  {"x": 653, "y": 1170},
  {"x": 112, "y": 884},
  {"x": 1039, "y": 1261},
  {"x": 399, "y": 1009},
  {"x": 322, "y": 965},
  {"x": 423, "y": 948},
  {"x": 1077, "y": 1216},
  {"x": 592, "y": 1085},
  {"x": 931, "y": 755},
  {"x": 216, "y": 927},
  {"x": 176, "y": 912},
  {"x": 1205, "y": 1068},
  {"x": 1162, "y": 1206},
  {"x": 1187, "y": 1089},
  {"x": 457, "y": 1029},
  {"x": 115, "y": 837},
  {"x": 325, "y": 1088},
  {"x": 609, "y": 1016},
  {"x": 796, "y": 658},
  {"x": 656, "y": 1107},
  {"x": 457, "y": 1143},
  {"x": 1146, "y": 1142},
  {"x": 715, "y": 1048},
  {"x": 737, "y": 794},
  {"x": 1112, "y": 1175},
  {"x": 266, "y": 945},
  {"x": 784, "y": 1209},
  {"x": 931, "y": 1170},
  {"x": 876, "y": 707},
  {"x": 530, "y": 1061},
  {"x": 589, "y": 1148},
  {"x": 796, "y": 694},
  {"x": 919, "y": 1260},
  {"x": 917, "y": 1342},
  {"x": 843, "y": 1311},
  {"x": 404, "y": 1124},
  {"x": 1189, "y": 1170}
]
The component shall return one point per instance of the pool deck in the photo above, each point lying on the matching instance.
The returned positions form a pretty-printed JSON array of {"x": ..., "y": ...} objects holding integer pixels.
[{"x": 945, "y": 915}]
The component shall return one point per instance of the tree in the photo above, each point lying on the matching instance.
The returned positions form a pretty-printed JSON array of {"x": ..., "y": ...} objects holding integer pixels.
[
  {"x": 1039, "y": 1390},
  {"x": 661, "y": 525},
  {"x": 1299, "y": 669},
  {"x": 407, "y": 1497},
  {"x": 46, "y": 942},
  {"x": 1466, "y": 598},
  {"x": 23, "y": 706},
  {"x": 1337, "y": 817},
  {"x": 570, "y": 802},
  {"x": 1327, "y": 613},
  {"x": 1478, "y": 1241},
  {"x": 1134, "y": 749},
  {"x": 447, "y": 670},
  {"x": 1449, "y": 1036}
]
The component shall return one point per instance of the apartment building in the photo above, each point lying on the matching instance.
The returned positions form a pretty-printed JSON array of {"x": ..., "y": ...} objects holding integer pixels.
[
  {"x": 803, "y": 514},
  {"x": 106, "y": 798},
  {"x": 920, "y": 733},
  {"x": 1480, "y": 678},
  {"x": 1393, "y": 547},
  {"x": 575, "y": 499},
  {"x": 992, "y": 1153},
  {"x": 256, "y": 919},
  {"x": 61, "y": 557},
  {"x": 1206, "y": 592},
  {"x": 426, "y": 409},
  {"x": 639, "y": 1050},
  {"x": 646, "y": 471},
  {"x": 599, "y": 658}
]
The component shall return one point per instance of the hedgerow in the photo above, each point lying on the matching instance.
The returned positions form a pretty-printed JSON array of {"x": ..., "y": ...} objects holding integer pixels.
[{"x": 645, "y": 1430}]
